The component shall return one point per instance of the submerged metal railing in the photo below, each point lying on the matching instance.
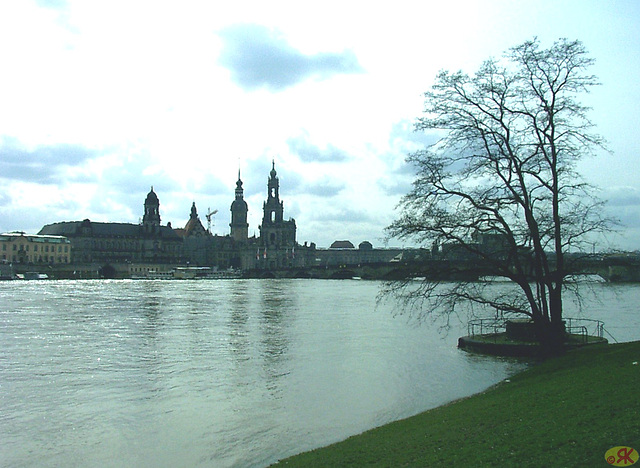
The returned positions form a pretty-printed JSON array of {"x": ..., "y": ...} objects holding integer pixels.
[
  {"x": 585, "y": 328},
  {"x": 578, "y": 327},
  {"x": 486, "y": 326}
]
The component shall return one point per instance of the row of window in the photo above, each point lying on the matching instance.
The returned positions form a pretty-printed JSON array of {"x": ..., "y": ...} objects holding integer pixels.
[
  {"x": 33, "y": 259},
  {"x": 114, "y": 257},
  {"x": 128, "y": 246},
  {"x": 149, "y": 269},
  {"x": 45, "y": 248}
]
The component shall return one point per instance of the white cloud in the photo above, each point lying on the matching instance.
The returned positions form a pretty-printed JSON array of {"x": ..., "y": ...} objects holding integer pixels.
[
  {"x": 259, "y": 57},
  {"x": 100, "y": 100}
]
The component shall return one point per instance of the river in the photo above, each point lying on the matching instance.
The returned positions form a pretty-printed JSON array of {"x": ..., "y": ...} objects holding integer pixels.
[{"x": 225, "y": 373}]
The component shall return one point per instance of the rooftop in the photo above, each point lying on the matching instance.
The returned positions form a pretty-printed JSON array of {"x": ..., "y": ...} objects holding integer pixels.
[{"x": 11, "y": 236}]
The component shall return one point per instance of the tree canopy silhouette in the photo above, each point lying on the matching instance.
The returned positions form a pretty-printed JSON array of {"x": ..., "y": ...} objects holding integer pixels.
[{"x": 500, "y": 188}]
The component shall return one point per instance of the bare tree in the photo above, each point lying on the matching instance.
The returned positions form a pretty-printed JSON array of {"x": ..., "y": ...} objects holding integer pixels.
[{"x": 505, "y": 170}]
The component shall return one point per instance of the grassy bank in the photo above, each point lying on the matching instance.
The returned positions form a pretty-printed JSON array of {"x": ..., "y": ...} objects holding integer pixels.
[{"x": 565, "y": 412}]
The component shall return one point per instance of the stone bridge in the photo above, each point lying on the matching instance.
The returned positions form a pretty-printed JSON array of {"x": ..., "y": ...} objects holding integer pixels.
[{"x": 612, "y": 268}]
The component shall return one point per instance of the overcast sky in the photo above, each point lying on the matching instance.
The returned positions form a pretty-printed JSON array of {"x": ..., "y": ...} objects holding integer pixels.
[{"x": 99, "y": 100}]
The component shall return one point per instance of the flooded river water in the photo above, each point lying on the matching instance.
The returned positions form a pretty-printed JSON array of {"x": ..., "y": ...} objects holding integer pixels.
[{"x": 222, "y": 373}]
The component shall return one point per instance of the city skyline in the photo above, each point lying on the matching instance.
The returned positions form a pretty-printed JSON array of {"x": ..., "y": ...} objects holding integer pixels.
[{"x": 102, "y": 101}]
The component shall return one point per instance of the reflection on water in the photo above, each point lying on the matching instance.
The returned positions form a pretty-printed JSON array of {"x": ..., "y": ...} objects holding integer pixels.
[{"x": 220, "y": 373}]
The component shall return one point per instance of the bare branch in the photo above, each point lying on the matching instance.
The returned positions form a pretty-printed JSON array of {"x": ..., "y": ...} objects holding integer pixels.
[{"x": 500, "y": 190}]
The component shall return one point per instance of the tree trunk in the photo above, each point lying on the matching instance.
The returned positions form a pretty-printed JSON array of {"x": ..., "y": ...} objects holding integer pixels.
[{"x": 551, "y": 335}]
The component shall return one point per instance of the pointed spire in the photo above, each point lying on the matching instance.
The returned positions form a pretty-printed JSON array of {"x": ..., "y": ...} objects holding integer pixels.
[
  {"x": 239, "y": 191},
  {"x": 239, "y": 208}
]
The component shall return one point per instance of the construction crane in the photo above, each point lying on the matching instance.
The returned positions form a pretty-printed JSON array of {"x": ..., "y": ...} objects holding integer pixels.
[{"x": 210, "y": 215}]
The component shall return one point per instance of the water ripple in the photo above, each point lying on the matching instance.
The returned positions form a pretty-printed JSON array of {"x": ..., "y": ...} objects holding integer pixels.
[{"x": 212, "y": 373}]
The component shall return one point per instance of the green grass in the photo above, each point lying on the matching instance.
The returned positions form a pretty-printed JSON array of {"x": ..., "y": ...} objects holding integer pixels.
[{"x": 565, "y": 412}]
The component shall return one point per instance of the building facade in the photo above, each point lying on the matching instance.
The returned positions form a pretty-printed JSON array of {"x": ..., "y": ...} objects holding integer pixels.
[
  {"x": 21, "y": 248},
  {"x": 119, "y": 243},
  {"x": 344, "y": 253},
  {"x": 196, "y": 240},
  {"x": 152, "y": 247}
]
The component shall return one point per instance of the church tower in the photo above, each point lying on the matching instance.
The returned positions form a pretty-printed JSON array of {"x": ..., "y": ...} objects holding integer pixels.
[
  {"x": 194, "y": 227},
  {"x": 239, "y": 209},
  {"x": 277, "y": 236},
  {"x": 273, "y": 207},
  {"x": 151, "y": 218}
]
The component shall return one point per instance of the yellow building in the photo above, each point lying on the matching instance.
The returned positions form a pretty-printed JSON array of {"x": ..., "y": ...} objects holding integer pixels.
[{"x": 18, "y": 247}]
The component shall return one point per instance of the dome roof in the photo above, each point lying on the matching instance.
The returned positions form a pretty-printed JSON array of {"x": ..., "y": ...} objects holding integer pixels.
[
  {"x": 342, "y": 244},
  {"x": 152, "y": 198},
  {"x": 239, "y": 204}
]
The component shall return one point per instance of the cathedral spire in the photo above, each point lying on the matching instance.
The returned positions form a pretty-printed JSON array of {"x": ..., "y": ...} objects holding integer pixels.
[
  {"x": 273, "y": 185},
  {"x": 239, "y": 190},
  {"x": 276, "y": 235},
  {"x": 239, "y": 209}
]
